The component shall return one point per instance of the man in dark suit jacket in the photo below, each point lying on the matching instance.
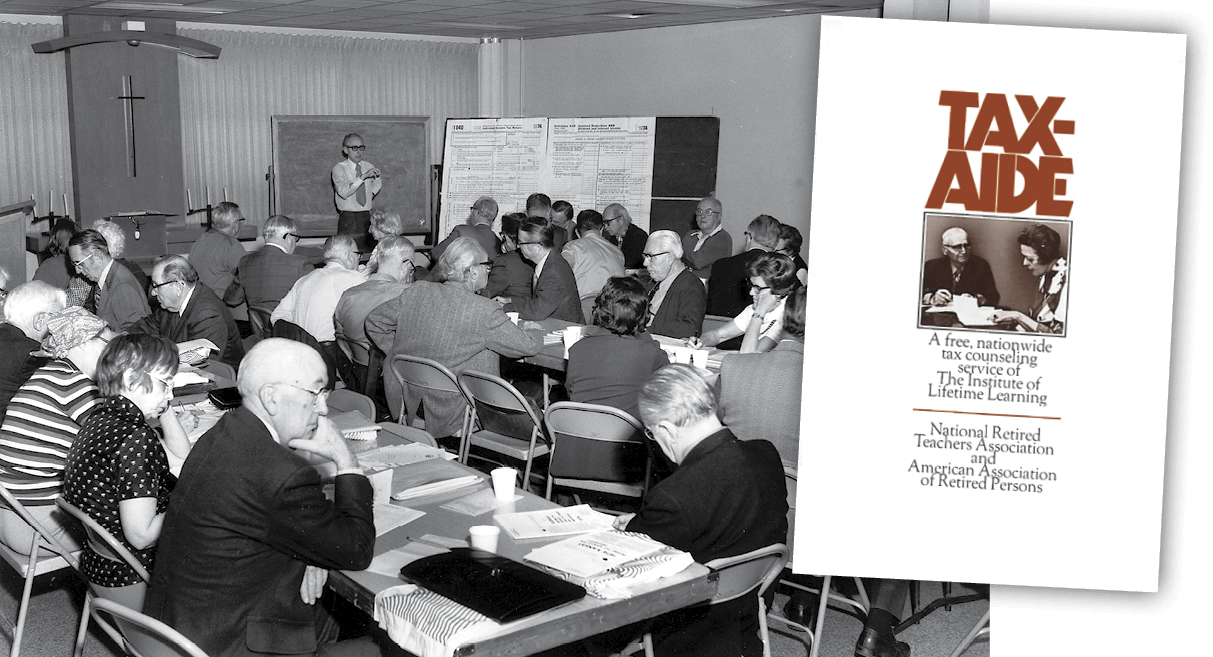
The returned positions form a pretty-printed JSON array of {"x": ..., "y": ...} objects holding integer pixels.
[
  {"x": 728, "y": 286},
  {"x": 119, "y": 298},
  {"x": 248, "y": 534},
  {"x": 630, "y": 238},
  {"x": 479, "y": 227},
  {"x": 554, "y": 292},
  {"x": 25, "y": 311},
  {"x": 266, "y": 275},
  {"x": 958, "y": 272},
  {"x": 189, "y": 311},
  {"x": 510, "y": 275},
  {"x": 726, "y": 498},
  {"x": 679, "y": 297}
]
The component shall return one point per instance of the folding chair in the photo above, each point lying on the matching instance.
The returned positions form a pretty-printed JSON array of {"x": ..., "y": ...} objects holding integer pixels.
[
  {"x": 368, "y": 364},
  {"x": 597, "y": 448},
  {"x": 220, "y": 369},
  {"x": 56, "y": 558},
  {"x": 259, "y": 320},
  {"x": 738, "y": 576},
  {"x": 495, "y": 401},
  {"x": 429, "y": 375},
  {"x": 145, "y": 636},
  {"x": 982, "y": 628},
  {"x": 825, "y": 594},
  {"x": 344, "y": 400}
]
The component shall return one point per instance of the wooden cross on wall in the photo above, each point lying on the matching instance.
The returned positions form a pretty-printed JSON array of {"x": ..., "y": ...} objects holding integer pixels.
[{"x": 128, "y": 97}]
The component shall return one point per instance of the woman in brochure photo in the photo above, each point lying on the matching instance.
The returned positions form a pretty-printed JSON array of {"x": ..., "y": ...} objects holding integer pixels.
[{"x": 1042, "y": 256}]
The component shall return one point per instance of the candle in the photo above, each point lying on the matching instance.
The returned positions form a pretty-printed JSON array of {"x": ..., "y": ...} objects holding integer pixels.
[
  {"x": 50, "y": 201},
  {"x": 65, "y": 205},
  {"x": 189, "y": 201},
  {"x": 225, "y": 194},
  {"x": 208, "y": 196}
]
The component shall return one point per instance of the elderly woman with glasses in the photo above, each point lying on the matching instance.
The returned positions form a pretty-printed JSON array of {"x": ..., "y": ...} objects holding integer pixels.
[
  {"x": 44, "y": 418},
  {"x": 118, "y": 469},
  {"x": 772, "y": 279}
]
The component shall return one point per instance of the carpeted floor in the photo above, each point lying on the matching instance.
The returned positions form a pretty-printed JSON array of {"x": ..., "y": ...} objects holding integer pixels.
[{"x": 55, "y": 611}]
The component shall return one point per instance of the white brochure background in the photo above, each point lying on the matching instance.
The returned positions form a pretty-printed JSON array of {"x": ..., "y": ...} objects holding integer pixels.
[{"x": 881, "y": 138}]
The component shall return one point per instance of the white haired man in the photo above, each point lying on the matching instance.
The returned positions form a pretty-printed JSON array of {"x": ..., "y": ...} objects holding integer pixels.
[
  {"x": 678, "y": 302},
  {"x": 25, "y": 311}
]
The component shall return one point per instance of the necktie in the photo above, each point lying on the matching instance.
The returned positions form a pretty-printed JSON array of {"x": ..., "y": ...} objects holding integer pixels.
[{"x": 360, "y": 195}]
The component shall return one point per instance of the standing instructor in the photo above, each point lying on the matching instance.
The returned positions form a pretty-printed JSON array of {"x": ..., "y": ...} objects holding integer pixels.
[{"x": 355, "y": 184}]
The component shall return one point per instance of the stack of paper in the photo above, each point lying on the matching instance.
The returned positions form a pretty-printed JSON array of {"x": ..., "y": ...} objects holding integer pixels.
[
  {"x": 437, "y": 487},
  {"x": 585, "y": 556},
  {"x": 355, "y": 426},
  {"x": 578, "y": 519}
]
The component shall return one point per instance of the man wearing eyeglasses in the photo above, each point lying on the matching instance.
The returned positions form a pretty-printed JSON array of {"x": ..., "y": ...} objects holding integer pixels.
[
  {"x": 628, "y": 237},
  {"x": 554, "y": 287},
  {"x": 958, "y": 272},
  {"x": 710, "y": 242},
  {"x": 266, "y": 275},
  {"x": 189, "y": 311},
  {"x": 355, "y": 184},
  {"x": 678, "y": 302},
  {"x": 120, "y": 300},
  {"x": 478, "y": 227},
  {"x": 249, "y": 535}
]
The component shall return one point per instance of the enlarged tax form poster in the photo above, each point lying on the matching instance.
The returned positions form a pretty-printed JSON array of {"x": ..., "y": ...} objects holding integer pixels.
[
  {"x": 501, "y": 158},
  {"x": 991, "y": 276},
  {"x": 593, "y": 163}
]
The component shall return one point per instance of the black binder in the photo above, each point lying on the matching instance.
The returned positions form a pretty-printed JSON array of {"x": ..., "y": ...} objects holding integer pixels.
[{"x": 502, "y": 589}]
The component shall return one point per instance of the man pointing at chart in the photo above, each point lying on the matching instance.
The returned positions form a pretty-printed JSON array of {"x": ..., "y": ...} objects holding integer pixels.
[{"x": 355, "y": 184}]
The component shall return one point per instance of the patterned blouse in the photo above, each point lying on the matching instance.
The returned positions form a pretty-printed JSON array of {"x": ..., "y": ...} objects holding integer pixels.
[{"x": 117, "y": 456}]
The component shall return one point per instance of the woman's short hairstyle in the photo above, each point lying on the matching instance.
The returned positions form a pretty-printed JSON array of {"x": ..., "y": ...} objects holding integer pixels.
[
  {"x": 114, "y": 237},
  {"x": 458, "y": 258},
  {"x": 778, "y": 270},
  {"x": 677, "y": 393},
  {"x": 138, "y": 352},
  {"x": 28, "y": 300},
  {"x": 793, "y": 315},
  {"x": 510, "y": 223},
  {"x": 622, "y": 307},
  {"x": 61, "y": 234},
  {"x": 90, "y": 241},
  {"x": 1045, "y": 241},
  {"x": 791, "y": 236},
  {"x": 388, "y": 223}
]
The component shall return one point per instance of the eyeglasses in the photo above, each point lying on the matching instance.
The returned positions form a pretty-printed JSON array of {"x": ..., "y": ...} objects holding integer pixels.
[
  {"x": 294, "y": 235},
  {"x": 525, "y": 243},
  {"x": 356, "y": 148},
  {"x": 702, "y": 211},
  {"x": 167, "y": 383},
  {"x": 607, "y": 221},
  {"x": 78, "y": 263},
  {"x": 650, "y": 256},
  {"x": 317, "y": 395},
  {"x": 157, "y": 286},
  {"x": 489, "y": 263},
  {"x": 960, "y": 247},
  {"x": 759, "y": 288}
]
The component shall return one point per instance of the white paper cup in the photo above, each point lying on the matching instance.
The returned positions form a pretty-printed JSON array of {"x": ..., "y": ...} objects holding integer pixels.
[
  {"x": 484, "y": 537},
  {"x": 503, "y": 483},
  {"x": 571, "y": 335},
  {"x": 513, "y": 317}
]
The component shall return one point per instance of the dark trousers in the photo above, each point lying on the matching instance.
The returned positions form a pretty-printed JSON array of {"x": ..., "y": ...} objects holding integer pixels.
[{"x": 358, "y": 226}]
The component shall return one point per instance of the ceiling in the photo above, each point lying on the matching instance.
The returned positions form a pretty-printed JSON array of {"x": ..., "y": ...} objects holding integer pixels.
[{"x": 510, "y": 19}]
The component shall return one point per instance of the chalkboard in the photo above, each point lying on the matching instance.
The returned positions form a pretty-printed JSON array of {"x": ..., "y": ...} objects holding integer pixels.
[
  {"x": 307, "y": 147},
  {"x": 685, "y": 150}
]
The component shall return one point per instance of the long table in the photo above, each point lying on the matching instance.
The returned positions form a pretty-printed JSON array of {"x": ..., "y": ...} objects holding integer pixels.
[{"x": 543, "y": 631}]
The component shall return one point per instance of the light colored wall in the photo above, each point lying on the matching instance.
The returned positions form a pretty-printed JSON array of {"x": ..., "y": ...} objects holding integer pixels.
[{"x": 758, "y": 76}]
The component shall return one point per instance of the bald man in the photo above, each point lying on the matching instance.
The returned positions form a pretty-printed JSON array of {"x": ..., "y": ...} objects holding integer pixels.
[
  {"x": 617, "y": 222},
  {"x": 710, "y": 242},
  {"x": 249, "y": 534},
  {"x": 958, "y": 272}
]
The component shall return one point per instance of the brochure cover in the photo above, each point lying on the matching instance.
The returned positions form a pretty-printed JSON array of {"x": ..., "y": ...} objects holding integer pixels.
[{"x": 992, "y": 259}]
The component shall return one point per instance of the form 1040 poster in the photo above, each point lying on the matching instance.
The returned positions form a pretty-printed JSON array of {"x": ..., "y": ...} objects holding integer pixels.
[{"x": 992, "y": 255}]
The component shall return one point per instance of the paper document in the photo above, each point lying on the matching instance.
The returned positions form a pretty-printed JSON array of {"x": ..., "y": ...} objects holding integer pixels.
[
  {"x": 967, "y": 311},
  {"x": 398, "y": 455},
  {"x": 437, "y": 487},
  {"x": 583, "y": 556},
  {"x": 578, "y": 519},
  {"x": 355, "y": 426},
  {"x": 389, "y": 517}
]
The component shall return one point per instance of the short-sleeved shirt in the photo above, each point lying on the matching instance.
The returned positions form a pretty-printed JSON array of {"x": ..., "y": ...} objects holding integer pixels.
[
  {"x": 772, "y": 326},
  {"x": 117, "y": 456}
]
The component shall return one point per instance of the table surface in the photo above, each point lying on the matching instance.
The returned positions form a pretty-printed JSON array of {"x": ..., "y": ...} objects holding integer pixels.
[
  {"x": 552, "y": 355},
  {"x": 543, "y": 631}
]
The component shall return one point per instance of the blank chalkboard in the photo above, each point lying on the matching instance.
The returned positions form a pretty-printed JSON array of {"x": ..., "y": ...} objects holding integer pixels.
[
  {"x": 307, "y": 147},
  {"x": 685, "y": 150}
]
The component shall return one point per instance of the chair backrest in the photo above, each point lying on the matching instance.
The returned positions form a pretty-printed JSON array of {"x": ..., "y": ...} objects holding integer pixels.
[
  {"x": 43, "y": 539},
  {"x": 746, "y": 572},
  {"x": 344, "y": 400},
  {"x": 358, "y": 351},
  {"x": 494, "y": 395},
  {"x": 101, "y": 541},
  {"x": 426, "y": 374},
  {"x": 591, "y": 441},
  {"x": 789, "y": 480},
  {"x": 220, "y": 368},
  {"x": 259, "y": 320},
  {"x": 145, "y": 636}
]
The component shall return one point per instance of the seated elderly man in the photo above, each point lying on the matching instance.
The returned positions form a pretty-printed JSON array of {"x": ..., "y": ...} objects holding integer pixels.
[
  {"x": 266, "y": 275},
  {"x": 593, "y": 259},
  {"x": 189, "y": 311},
  {"x": 726, "y": 498},
  {"x": 958, "y": 272},
  {"x": 249, "y": 534},
  {"x": 478, "y": 227},
  {"x": 116, "y": 240},
  {"x": 119, "y": 298},
  {"x": 677, "y": 303},
  {"x": 554, "y": 289},
  {"x": 628, "y": 237},
  {"x": 313, "y": 299},
  {"x": 510, "y": 276},
  {"x": 710, "y": 242},
  {"x": 217, "y": 253},
  {"x": 393, "y": 261},
  {"x": 445, "y": 320},
  {"x": 25, "y": 311}
]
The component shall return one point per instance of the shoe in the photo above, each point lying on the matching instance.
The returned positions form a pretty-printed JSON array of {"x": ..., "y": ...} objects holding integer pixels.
[
  {"x": 801, "y": 608},
  {"x": 873, "y": 644}
]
